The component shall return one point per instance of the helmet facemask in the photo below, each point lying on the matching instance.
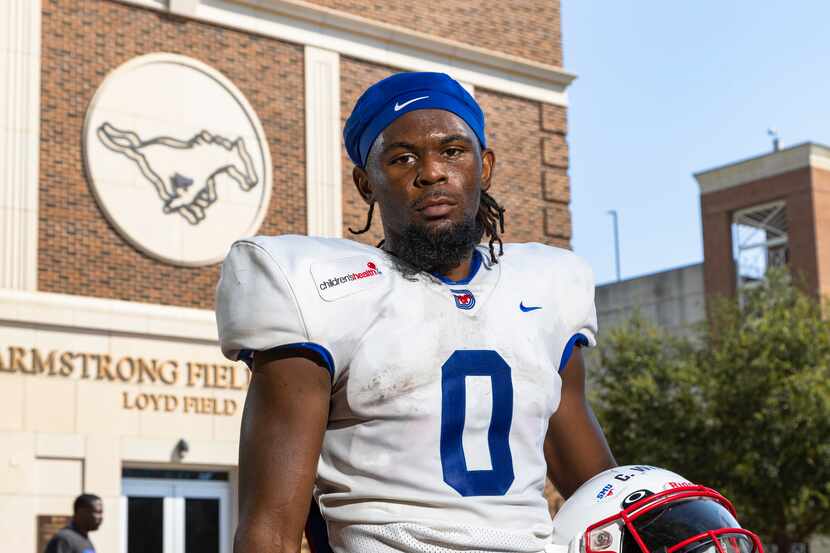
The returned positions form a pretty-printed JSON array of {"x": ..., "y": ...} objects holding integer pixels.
[{"x": 685, "y": 519}]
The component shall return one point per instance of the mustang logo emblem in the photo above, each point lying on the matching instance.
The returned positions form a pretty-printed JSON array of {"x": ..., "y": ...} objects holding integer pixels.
[{"x": 184, "y": 172}]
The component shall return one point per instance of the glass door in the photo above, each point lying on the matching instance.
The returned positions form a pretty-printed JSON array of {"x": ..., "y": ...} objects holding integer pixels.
[
  {"x": 175, "y": 512},
  {"x": 201, "y": 525},
  {"x": 145, "y": 523}
]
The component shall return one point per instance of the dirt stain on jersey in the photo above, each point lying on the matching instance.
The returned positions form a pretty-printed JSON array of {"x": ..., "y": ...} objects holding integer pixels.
[{"x": 390, "y": 385}]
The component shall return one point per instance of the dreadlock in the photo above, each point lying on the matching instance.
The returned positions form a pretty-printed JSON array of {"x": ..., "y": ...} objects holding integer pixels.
[
  {"x": 368, "y": 221},
  {"x": 490, "y": 215},
  {"x": 368, "y": 224}
]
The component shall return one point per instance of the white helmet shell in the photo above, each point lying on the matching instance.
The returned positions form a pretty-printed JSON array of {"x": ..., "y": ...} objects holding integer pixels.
[{"x": 608, "y": 493}]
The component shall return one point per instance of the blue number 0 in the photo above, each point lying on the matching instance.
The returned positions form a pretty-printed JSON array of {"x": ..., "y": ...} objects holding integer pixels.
[{"x": 461, "y": 364}]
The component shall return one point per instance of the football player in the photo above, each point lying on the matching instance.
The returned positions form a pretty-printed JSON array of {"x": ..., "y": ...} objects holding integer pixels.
[{"x": 423, "y": 389}]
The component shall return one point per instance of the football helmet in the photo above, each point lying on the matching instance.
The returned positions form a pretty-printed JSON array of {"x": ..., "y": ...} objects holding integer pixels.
[{"x": 644, "y": 509}]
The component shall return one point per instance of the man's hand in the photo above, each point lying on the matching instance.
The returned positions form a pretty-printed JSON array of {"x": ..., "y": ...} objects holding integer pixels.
[
  {"x": 283, "y": 423},
  {"x": 575, "y": 447}
]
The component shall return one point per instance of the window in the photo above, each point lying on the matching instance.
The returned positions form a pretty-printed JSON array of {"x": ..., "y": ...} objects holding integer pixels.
[{"x": 760, "y": 241}]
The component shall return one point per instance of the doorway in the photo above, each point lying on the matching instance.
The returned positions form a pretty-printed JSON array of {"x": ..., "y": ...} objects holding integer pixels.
[{"x": 175, "y": 511}]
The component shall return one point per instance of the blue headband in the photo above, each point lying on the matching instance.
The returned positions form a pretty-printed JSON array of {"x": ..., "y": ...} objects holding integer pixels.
[{"x": 386, "y": 100}]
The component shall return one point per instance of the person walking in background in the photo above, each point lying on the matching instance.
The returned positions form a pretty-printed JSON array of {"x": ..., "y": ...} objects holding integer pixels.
[{"x": 87, "y": 515}]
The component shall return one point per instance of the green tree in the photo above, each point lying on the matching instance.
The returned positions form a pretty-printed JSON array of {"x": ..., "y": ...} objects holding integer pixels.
[
  {"x": 744, "y": 407},
  {"x": 646, "y": 396}
]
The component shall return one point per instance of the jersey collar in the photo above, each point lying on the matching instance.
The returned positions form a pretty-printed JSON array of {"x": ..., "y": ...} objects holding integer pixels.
[{"x": 475, "y": 265}]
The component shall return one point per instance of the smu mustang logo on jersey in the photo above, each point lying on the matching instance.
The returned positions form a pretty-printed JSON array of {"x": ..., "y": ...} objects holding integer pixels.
[{"x": 464, "y": 299}]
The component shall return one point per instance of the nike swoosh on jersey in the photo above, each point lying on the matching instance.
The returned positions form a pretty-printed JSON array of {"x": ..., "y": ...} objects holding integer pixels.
[
  {"x": 399, "y": 107},
  {"x": 526, "y": 309}
]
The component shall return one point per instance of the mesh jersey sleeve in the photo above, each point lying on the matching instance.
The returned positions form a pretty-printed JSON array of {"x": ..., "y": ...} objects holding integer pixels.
[
  {"x": 589, "y": 327},
  {"x": 256, "y": 308},
  {"x": 583, "y": 320}
]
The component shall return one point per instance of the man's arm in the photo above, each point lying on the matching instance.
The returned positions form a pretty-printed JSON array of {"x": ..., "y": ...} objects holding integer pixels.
[
  {"x": 283, "y": 423},
  {"x": 575, "y": 447}
]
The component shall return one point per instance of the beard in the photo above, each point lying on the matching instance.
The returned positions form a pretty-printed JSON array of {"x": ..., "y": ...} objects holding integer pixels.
[{"x": 418, "y": 249}]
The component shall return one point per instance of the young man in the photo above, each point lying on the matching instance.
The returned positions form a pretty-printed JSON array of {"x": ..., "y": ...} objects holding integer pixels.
[
  {"x": 423, "y": 389},
  {"x": 87, "y": 515}
]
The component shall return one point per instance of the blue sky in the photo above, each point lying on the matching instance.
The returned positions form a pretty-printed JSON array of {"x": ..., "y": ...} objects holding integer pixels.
[{"x": 666, "y": 89}]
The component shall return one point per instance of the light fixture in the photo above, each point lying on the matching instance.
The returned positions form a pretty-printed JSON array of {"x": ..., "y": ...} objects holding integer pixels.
[{"x": 181, "y": 449}]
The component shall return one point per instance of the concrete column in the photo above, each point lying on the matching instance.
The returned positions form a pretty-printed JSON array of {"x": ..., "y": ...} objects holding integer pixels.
[
  {"x": 19, "y": 142},
  {"x": 102, "y": 476},
  {"x": 324, "y": 209}
]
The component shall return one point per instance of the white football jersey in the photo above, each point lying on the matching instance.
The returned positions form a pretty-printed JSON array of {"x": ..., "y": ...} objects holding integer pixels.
[{"x": 441, "y": 390}]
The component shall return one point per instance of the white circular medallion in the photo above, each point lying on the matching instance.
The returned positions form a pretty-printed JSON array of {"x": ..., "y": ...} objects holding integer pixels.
[{"x": 177, "y": 159}]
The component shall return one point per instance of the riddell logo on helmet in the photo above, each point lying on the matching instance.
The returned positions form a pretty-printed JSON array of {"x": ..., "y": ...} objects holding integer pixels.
[
  {"x": 371, "y": 271},
  {"x": 673, "y": 485}
]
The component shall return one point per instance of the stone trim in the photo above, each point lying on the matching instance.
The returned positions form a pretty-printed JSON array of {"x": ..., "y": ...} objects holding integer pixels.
[
  {"x": 107, "y": 316},
  {"x": 324, "y": 211},
  {"x": 764, "y": 166}
]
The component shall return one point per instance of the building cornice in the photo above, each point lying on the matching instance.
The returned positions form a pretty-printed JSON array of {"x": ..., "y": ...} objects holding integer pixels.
[
  {"x": 44, "y": 309},
  {"x": 377, "y": 42},
  {"x": 764, "y": 166},
  {"x": 403, "y": 37}
]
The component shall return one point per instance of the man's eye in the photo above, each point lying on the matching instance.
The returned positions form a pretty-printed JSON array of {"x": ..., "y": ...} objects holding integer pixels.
[
  {"x": 404, "y": 159},
  {"x": 453, "y": 152}
]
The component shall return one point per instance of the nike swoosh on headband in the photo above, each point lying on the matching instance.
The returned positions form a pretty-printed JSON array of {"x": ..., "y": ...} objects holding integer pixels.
[{"x": 399, "y": 107}]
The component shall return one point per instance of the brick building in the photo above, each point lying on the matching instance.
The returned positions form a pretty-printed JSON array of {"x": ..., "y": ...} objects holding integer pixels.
[
  {"x": 770, "y": 210},
  {"x": 111, "y": 381},
  {"x": 757, "y": 213}
]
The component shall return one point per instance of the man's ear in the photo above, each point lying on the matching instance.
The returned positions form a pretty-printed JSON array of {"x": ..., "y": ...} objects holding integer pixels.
[
  {"x": 488, "y": 167},
  {"x": 361, "y": 182}
]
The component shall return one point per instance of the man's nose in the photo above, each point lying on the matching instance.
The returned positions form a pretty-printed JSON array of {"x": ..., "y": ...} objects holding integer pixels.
[{"x": 432, "y": 170}]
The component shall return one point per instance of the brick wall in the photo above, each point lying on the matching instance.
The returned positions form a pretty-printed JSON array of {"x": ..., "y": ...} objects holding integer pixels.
[
  {"x": 530, "y": 179},
  {"x": 529, "y": 29},
  {"x": 530, "y": 151},
  {"x": 79, "y": 252},
  {"x": 355, "y": 77},
  {"x": 48, "y": 526}
]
